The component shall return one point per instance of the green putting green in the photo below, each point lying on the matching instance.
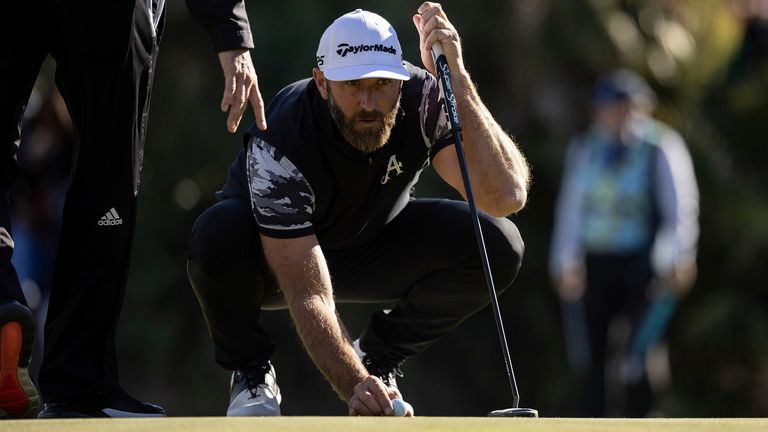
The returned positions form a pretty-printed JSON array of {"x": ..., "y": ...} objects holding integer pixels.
[{"x": 373, "y": 424}]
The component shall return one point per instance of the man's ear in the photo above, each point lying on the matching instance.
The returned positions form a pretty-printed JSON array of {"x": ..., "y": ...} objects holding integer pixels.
[{"x": 320, "y": 82}]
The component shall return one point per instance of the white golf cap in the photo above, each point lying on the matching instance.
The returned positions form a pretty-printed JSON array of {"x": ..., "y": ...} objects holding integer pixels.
[{"x": 360, "y": 45}]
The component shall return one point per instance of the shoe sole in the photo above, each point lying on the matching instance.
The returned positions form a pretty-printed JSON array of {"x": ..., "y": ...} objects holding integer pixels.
[{"x": 18, "y": 396}]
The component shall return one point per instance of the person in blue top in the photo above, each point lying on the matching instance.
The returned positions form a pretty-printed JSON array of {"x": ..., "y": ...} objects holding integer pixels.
[
  {"x": 626, "y": 226},
  {"x": 319, "y": 209}
]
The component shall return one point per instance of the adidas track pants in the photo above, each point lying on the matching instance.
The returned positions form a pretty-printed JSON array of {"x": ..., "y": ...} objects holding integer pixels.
[{"x": 105, "y": 53}]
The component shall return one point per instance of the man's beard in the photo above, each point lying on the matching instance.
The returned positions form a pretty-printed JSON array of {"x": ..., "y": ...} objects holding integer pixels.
[{"x": 369, "y": 139}]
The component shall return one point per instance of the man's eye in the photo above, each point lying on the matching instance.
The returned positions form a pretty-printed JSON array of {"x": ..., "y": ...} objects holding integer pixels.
[
  {"x": 353, "y": 83},
  {"x": 383, "y": 82}
]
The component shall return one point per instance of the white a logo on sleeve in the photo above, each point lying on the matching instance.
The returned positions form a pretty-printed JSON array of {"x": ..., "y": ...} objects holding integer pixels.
[
  {"x": 111, "y": 218},
  {"x": 393, "y": 165},
  {"x": 5, "y": 238}
]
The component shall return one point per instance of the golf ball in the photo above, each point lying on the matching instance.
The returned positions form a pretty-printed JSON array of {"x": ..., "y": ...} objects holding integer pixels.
[{"x": 400, "y": 407}]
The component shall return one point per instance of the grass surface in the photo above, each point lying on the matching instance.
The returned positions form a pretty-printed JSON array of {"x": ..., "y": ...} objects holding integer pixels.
[{"x": 363, "y": 424}]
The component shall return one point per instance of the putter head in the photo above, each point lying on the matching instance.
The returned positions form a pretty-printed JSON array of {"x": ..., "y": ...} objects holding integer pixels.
[{"x": 514, "y": 412}]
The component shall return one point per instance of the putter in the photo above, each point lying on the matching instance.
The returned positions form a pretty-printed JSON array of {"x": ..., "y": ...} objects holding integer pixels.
[{"x": 444, "y": 75}]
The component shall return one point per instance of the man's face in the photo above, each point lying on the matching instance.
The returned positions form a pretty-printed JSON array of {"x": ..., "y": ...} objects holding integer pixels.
[
  {"x": 364, "y": 110},
  {"x": 612, "y": 115}
]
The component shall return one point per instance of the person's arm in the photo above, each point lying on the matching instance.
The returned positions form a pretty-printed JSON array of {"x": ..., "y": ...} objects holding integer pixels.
[
  {"x": 302, "y": 273},
  {"x": 674, "y": 251},
  {"x": 241, "y": 85},
  {"x": 566, "y": 256},
  {"x": 227, "y": 24},
  {"x": 498, "y": 172}
]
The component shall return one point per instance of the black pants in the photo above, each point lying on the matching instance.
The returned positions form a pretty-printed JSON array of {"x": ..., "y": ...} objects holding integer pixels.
[
  {"x": 616, "y": 285},
  {"x": 426, "y": 260},
  {"x": 104, "y": 52}
]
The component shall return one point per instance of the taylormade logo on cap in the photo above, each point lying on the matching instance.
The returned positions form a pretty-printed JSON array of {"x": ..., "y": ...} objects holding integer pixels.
[
  {"x": 345, "y": 49},
  {"x": 360, "y": 45}
]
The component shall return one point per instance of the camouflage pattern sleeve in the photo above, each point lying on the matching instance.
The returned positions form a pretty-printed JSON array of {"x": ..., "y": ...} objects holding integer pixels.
[
  {"x": 435, "y": 128},
  {"x": 281, "y": 198}
]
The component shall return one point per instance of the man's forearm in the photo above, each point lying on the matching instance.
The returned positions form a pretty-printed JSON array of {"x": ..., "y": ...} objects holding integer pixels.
[
  {"x": 498, "y": 171},
  {"x": 327, "y": 343},
  {"x": 303, "y": 275}
]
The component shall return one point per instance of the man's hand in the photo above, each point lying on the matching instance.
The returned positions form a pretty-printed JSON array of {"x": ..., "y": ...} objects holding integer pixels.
[
  {"x": 433, "y": 26},
  {"x": 571, "y": 285},
  {"x": 240, "y": 86},
  {"x": 302, "y": 272},
  {"x": 681, "y": 278},
  {"x": 372, "y": 397}
]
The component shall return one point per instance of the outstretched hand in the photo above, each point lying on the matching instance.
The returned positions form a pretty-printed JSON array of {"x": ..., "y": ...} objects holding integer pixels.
[
  {"x": 241, "y": 86},
  {"x": 433, "y": 27}
]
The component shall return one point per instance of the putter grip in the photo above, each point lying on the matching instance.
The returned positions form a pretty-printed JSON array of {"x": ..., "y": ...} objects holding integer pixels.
[
  {"x": 444, "y": 76},
  {"x": 437, "y": 51}
]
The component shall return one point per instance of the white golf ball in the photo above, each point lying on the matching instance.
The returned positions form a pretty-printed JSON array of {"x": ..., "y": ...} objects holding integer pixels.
[{"x": 400, "y": 407}]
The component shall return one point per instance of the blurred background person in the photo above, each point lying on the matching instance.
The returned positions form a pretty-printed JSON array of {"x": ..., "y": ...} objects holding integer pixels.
[{"x": 625, "y": 236}]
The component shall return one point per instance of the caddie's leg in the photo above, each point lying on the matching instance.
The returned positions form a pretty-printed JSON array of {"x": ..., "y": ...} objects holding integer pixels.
[
  {"x": 20, "y": 61},
  {"x": 104, "y": 54}
]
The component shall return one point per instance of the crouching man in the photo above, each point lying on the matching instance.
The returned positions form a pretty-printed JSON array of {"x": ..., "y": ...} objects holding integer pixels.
[{"x": 318, "y": 209}]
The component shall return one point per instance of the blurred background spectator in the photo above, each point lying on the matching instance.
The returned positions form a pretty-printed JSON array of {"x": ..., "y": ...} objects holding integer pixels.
[
  {"x": 536, "y": 75},
  {"x": 625, "y": 237}
]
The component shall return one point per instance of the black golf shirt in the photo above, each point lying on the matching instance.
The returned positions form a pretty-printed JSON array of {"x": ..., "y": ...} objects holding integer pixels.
[{"x": 302, "y": 177}]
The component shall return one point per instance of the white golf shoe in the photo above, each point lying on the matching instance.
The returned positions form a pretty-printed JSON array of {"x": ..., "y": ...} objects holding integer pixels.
[{"x": 254, "y": 392}]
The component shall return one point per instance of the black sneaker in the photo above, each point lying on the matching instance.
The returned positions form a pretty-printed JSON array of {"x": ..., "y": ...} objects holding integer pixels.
[
  {"x": 386, "y": 372},
  {"x": 254, "y": 392},
  {"x": 18, "y": 395},
  {"x": 121, "y": 404}
]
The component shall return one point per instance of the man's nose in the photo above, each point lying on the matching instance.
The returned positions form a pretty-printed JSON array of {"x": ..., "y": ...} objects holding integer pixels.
[{"x": 367, "y": 100}]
